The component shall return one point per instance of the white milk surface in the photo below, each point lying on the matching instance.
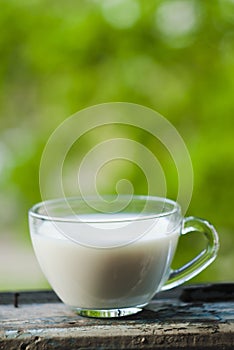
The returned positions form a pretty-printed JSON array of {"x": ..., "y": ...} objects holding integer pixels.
[{"x": 111, "y": 265}]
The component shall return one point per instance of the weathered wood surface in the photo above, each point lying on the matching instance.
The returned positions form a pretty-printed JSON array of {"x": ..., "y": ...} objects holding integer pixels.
[{"x": 198, "y": 317}]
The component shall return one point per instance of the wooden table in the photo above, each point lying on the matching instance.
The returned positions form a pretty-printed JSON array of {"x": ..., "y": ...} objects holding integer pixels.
[{"x": 194, "y": 317}]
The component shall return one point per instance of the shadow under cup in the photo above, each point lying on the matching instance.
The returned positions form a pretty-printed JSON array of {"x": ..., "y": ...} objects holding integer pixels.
[{"x": 107, "y": 257}]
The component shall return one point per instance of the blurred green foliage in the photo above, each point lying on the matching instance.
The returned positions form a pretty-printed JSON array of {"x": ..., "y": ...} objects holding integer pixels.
[{"x": 176, "y": 57}]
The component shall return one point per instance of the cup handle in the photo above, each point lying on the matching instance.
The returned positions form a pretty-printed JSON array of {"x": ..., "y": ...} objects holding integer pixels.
[{"x": 202, "y": 260}]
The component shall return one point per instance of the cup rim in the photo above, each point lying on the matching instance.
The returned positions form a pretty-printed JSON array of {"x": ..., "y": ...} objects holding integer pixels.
[{"x": 33, "y": 211}]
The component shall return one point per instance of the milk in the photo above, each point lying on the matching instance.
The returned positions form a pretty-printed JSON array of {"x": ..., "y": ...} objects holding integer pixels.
[{"x": 105, "y": 265}]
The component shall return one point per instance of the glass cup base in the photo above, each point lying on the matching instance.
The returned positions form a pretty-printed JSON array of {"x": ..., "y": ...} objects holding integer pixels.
[{"x": 108, "y": 313}]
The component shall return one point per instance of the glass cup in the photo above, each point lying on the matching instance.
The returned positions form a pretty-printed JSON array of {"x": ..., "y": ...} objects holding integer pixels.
[{"x": 108, "y": 256}]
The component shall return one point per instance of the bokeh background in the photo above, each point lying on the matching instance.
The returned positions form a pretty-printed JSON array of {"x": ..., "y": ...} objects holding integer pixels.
[{"x": 58, "y": 57}]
